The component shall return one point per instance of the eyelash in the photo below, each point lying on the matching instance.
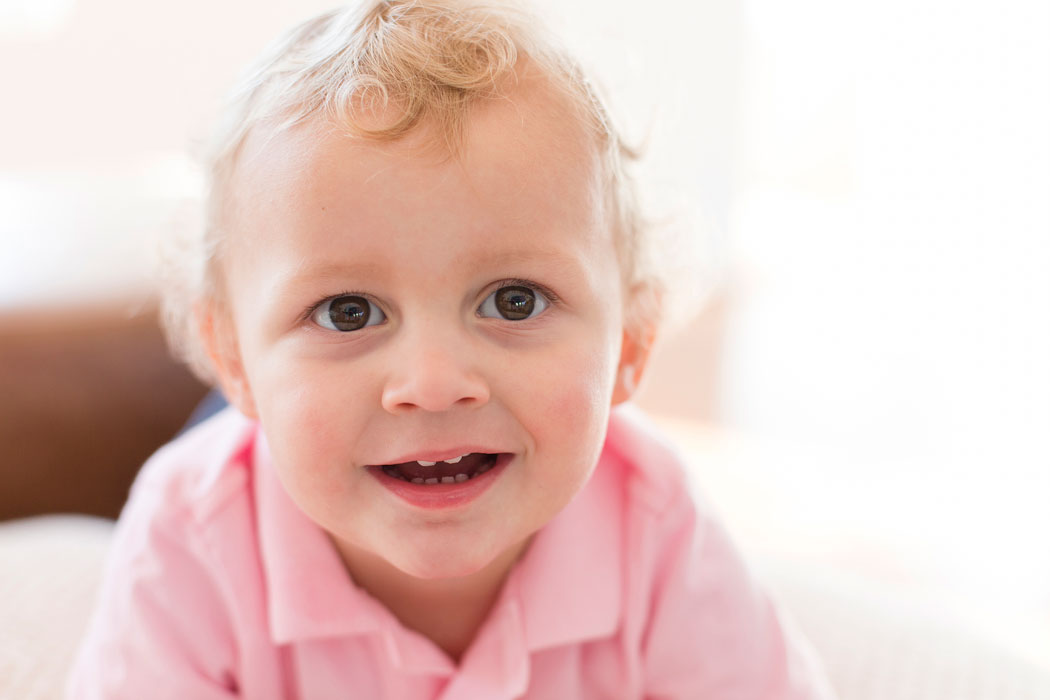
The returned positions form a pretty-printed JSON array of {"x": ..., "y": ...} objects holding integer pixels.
[
  {"x": 309, "y": 311},
  {"x": 552, "y": 298}
]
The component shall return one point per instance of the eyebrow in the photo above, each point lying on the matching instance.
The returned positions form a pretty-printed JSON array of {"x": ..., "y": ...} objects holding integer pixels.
[
  {"x": 307, "y": 272},
  {"x": 523, "y": 257},
  {"x": 306, "y": 276}
]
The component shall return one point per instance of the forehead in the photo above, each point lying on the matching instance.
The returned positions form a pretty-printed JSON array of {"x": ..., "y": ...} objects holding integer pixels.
[{"x": 526, "y": 166}]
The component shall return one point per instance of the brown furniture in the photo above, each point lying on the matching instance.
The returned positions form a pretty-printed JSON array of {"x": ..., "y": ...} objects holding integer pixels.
[{"x": 87, "y": 393}]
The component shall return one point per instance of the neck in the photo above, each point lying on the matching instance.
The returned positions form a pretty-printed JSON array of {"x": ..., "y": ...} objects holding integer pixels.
[{"x": 448, "y": 611}]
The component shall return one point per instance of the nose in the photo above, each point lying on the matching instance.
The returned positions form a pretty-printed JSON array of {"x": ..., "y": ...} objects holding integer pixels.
[{"x": 433, "y": 374}]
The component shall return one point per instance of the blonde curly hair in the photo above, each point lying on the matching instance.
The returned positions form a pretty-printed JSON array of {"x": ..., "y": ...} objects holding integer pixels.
[{"x": 413, "y": 62}]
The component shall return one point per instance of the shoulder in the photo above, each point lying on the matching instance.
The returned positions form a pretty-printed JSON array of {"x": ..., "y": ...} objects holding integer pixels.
[
  {"x": 705, "y": 626},
  {"x": 175, "y": 516},
  {"x": 197, "y": 474},
  {"x": 185, "y": 511},
  {"x": 655, "y": 470},
  {"x": 143, "y": 625},
  {"x": 668, "y": 523}
]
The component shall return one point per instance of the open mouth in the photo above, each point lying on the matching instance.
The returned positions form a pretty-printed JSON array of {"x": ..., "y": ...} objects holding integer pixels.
[{"x": 451, "y": 471}]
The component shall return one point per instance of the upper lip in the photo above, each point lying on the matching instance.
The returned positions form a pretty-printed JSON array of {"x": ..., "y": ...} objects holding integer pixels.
[{"x": 440, "y": 455}]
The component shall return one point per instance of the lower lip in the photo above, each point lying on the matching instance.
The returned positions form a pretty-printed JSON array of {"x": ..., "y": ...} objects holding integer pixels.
[{"x": 442, "y": 496}]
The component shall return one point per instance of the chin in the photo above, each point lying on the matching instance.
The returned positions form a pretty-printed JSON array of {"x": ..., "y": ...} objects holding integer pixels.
[
  {"x": 449, "y": 560},
  {"x": 442, "y": 567}
]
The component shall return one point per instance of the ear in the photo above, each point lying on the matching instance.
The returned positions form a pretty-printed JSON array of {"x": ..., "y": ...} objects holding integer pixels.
[
  {"x": 634, "y": 356},
  {"x": 220, "y": 342}
]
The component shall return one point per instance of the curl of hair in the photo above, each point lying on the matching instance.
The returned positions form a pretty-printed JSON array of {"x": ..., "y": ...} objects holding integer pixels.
[{"x": 379, "y": 69}]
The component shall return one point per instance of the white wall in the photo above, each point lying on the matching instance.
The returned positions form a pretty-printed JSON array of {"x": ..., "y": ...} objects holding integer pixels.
[{"x": 891, "y": 239}]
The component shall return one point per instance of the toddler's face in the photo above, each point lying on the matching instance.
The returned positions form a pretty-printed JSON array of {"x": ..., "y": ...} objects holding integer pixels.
[{"x": 394, "y": 312}]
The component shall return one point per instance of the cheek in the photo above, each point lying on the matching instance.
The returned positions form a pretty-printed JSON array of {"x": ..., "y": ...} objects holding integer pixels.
[
  {"x": 296, "y": 407},
  {"x": 288, "y": 397},
  {"x": 295, "y": 390},
  {"x": 574, "y": 396}
]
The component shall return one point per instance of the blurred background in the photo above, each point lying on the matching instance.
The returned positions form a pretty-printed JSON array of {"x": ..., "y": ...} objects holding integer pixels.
[{"x": 867, "y": 187}]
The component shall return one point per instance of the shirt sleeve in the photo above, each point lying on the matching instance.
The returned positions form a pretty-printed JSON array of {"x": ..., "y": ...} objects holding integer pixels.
[
  {"x": 160, "y": 629},
  {"x": 713, "y": 633}
]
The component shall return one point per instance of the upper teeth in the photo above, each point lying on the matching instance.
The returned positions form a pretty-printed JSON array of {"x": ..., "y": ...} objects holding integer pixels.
[{"x": 454, "y": 460}]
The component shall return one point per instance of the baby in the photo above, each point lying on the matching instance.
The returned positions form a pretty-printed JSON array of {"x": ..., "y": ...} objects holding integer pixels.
[{"x": 424, "y": 289}]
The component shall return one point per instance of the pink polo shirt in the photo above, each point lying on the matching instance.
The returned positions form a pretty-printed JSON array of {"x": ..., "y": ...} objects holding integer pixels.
[{"x": 219, "y": 587}]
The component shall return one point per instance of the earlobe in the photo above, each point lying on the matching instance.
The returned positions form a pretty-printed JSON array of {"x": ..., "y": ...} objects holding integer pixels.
[
  {"x": 221, "y": 345},
  {"x": 626, "y": 384},
  {"x": 634, "y": 355}
]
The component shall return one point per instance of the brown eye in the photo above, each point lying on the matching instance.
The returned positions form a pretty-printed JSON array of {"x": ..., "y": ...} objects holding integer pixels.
[
  {"x": 347, "y": 313},
  {"x": 513, "y": 303}
]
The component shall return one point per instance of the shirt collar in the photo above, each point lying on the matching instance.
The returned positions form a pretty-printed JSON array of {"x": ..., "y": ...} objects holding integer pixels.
[
  {"x": 567, "y": 588},
  {"x": 570, "y": 583},
  {"x": 308, "y": 590}
]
